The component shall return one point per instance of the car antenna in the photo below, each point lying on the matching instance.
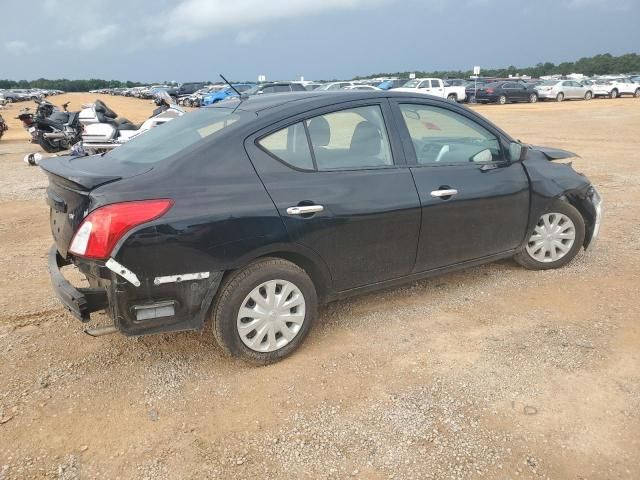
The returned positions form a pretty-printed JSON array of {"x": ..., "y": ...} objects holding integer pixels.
[{"x": 233, "y": 88}]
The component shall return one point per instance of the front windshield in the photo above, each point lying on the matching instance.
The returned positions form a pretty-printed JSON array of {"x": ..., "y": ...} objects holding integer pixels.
[
  {"x": 602, "y": 82},
  {"x": 164, "y": 141},
  {"x": 548, "y": 83},
  {"x": 412, "y": 84}
]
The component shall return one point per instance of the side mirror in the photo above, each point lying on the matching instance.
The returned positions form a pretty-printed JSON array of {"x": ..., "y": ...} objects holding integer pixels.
[{"x": 517, "y": 152}]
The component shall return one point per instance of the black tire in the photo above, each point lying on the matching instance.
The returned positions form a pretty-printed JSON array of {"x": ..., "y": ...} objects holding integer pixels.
[
  {"x": 502, "y": 100},
  {"x": 47, "y": 145},
  {"x": 613, "y": 94},
  {"x": 452, "y": 97},
  {"x": 637, "y": 93},
  {"x": 9, "y": 100},
  {"x": 559, "y": 206},
  {"x": 560, "y": 97},
  {"x": 236, "y": 288},
  {"x": 533, "y": 98},
  {"x": 588, "y": 95}
]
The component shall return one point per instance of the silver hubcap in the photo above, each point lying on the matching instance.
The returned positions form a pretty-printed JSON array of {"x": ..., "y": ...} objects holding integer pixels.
[
  {"x": 533, "y": 99},
  {"x": 552, "y": 238},
  {"x": 271, "y": 315}
]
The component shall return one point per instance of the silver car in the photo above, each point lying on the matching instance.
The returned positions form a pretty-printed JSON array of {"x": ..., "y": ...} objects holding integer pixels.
[{"x": 560, "y": 90}]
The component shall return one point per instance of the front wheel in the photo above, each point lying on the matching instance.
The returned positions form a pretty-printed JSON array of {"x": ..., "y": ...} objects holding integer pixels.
[
  {"x": 560, "y": 97},
  {"x": 637, "y": 93},
  {"x": 264, "y": 311},
  {"x": 588, "y": 96},
  {"x": 556, "y": 238},
  {"x": 613, "y": 94},
  {"x": 533, "y": 98}
]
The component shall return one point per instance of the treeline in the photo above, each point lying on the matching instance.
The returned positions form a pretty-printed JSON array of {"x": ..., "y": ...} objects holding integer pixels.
[
  {"x": 68, "y": 85},
  {"x": 602, "y": 64}
]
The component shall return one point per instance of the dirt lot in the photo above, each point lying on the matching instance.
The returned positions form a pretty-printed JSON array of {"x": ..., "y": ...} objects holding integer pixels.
[{"x": 495, "y": 372}]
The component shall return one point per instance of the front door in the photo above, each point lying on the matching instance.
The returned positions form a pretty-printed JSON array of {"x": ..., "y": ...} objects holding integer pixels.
[
  {"x": 342, "y": 188},
  {"x": 475, "y": 202}
]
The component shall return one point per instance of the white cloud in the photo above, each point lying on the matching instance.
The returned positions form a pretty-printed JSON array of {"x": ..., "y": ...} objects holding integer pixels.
[
  {"x": 194, "y": 19},
  {"x": 246, "y": 37},
  {"x": 19, "y": 47},
  {"x": 94, "y": 38}
]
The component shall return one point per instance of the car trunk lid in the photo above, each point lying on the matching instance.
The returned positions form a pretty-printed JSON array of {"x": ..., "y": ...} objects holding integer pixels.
[{"x": 71, "y": 181}]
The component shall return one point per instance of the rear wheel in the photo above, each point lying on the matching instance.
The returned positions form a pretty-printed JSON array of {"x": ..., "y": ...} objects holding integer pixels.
[
  {"x": 47, "y": 145},
  {"x": 9, "y": 100},
  {"x": 452, "y": 97},
  {"x": 556, "y": 238},
  {"x": 502, "y": 99},
  {"x": 637, "y": 93},
  {"x": 560, "y": 97},
  {"x": 533, "y": 98},
  {"x": 613, "y": 94},
  {"x": 588, "y": 96},
  {"x": 264, "y": 311}
]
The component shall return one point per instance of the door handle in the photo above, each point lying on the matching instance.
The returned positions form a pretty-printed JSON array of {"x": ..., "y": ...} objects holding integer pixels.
[
  {"x": 304, "y": 209},
  {"x": 444, "y": 193}
]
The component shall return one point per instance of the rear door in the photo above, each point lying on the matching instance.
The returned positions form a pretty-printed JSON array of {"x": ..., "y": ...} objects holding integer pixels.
[
  {"x": 350, "y": 198},
  {"x": 437, "y": 88},
  {"x": 474, "y": 202}
]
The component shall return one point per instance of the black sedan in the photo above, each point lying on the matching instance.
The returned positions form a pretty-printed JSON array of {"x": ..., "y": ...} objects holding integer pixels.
[
  {"x": 505, "y": 92},
  {"x": 253, "y": 212}
]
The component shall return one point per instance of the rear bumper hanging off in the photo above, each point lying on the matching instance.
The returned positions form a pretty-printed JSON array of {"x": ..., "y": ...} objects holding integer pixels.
[{"x": 81, "y": 302}]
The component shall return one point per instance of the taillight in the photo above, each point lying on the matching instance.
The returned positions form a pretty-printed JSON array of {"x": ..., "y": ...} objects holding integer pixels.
[
  {"x": 101, "y": 230},
  {"x": 489, "y": 90}
]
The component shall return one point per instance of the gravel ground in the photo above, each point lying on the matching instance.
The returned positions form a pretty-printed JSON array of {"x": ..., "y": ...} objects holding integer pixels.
[{"x": 494, "y": 372}]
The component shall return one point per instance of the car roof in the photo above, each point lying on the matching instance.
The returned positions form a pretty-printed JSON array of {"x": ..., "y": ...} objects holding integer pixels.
[{"x": 313, "y": 99}]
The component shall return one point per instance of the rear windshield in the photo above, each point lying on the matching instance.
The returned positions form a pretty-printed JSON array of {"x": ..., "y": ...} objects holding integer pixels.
[{"x": 164, "y": 141}]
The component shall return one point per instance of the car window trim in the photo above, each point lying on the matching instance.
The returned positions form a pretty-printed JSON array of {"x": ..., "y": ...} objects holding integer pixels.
[
  {"x": 398, "y": 155},
  {"x": 409, "y": 148}
]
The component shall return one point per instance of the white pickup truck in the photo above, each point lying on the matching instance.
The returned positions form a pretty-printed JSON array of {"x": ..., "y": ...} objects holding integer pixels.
[{"x": 434, "y": 86}]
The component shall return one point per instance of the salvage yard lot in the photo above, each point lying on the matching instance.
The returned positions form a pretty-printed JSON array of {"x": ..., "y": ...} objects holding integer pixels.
[{"x": 495, "y": 372}]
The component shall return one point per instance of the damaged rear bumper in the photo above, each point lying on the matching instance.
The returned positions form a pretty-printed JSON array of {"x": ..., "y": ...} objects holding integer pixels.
[
  {"x": 137, "y": 306},
  {"x": 81, "y": 302}
]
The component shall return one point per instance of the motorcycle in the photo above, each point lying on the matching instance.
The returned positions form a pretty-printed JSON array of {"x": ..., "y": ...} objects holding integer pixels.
[
  {"x": 104, "y": 130},
  {"x": 3, "y": 126},
  {"x": 52, "y": 129}
]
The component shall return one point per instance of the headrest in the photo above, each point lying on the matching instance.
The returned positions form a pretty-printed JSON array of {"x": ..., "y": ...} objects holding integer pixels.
[
  {"x": 319, "y": 131},
  {"x": 366, "y": 140}
]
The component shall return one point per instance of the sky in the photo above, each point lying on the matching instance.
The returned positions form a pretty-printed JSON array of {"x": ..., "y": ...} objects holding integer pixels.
[{"x": 193, "y": 40}]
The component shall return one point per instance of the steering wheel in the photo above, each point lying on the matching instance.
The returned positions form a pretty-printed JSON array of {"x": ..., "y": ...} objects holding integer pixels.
[{"x": 433, "y": 152}]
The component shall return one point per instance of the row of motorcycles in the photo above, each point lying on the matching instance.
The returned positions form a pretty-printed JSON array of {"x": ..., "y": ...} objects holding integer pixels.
[{"x": 93, "y": 130}]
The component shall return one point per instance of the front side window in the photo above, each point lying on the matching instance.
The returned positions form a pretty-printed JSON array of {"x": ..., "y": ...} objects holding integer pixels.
[
  {"x": 441, "y": 136},
  {"x": 353, "y": 138}
]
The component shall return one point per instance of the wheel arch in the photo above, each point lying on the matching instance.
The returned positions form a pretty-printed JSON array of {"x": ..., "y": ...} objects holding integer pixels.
[{"x": 580, "y": 202}]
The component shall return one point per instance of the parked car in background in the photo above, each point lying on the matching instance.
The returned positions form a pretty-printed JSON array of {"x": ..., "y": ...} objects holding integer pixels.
[
  {"x": 392, "y": 83},
  {"x": 506, "y": 92},
  {"x": 310, "y": 86},
  {"x": 226, "y": 92},
  {"x": 361, "y": 87},
  {"x": 616, "y": 87},
  {"x": 334, "y": 86},
  {"x": 455, "y": 82},
  {"x": 472, "y": 87},
  {"x": 252, "y": 216},
  {"x": 560, "y": 90},
  {"x": 276, "y": 87},
  {"x": 435, "y": 87},
  {"x": 185, "y": 89},
  {"x": 11, "y": 96}
]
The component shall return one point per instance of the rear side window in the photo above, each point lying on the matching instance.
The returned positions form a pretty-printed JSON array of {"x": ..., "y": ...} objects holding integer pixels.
[
  {"x": 345, "y": 140},
  {"x": 290, "y": 145}
]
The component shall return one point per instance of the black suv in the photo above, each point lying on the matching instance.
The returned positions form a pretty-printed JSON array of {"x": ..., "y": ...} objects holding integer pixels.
[
  {"x": 253, "y": 211},
  {"x": 185, "y": 89}
]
